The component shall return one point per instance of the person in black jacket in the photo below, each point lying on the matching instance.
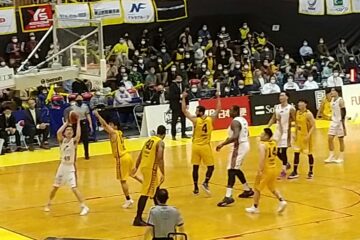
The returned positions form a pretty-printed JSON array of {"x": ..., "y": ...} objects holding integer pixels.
[
  {"x": 175, "y": 91},
  {"x": 35, "y": 126},
  {"x": 8, "y": 128}
]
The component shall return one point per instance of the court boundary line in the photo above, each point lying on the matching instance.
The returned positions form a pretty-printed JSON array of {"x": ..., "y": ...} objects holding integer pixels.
[{"x": 21, "y": 234}]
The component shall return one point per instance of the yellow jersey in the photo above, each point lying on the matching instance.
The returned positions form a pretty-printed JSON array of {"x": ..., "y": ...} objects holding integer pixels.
[
  {"x": 244, "y": 32},
  {"x": 202, "y": 130},
  {"x": 270, "y": 155},
  {"x": 327, "y": 108},
  {"x": 302, "y": 123},
  {"x": 118, "y": 144},
  {"x": 148, "y": 153}
]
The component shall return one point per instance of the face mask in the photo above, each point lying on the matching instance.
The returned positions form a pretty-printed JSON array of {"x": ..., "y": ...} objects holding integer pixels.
[
  {"x": 181, "y": 50},
  {"x": 14, "y": 40},
  {"x": 227, "y": 89},
  {"x": 3, "y": 64},
  {"x": 336, "y": 74},
  {"x": 141, "y": 61},
  {"x": 122, "y": 89},
  {"x": 200, "y": 40},
  {"x": 305, "y": 43},
  {"x": 266, "y": 49},
  {"x": 182, "y": 67},
  {"x": 223, "y": 29},
  {"x": 79, "y": 102},
  {"x": 206, "y": 83},
  {"x": 159, "y": 60},
  {"x": 310, "y": 79},
  {"x": 342, "y": 41},
  {"x": 205, "y": 28},
  {"x": 221, "y": 45},
  {"x": 207, "y": 73},
  {"x": 203, "y": 66},
  {"x": 210, "y": 54},
  {"x": 194, "y": 89},
  {"x": 226, "y": 72},
  {"x": 134, "y": 70},
  {"x": 245, "y": 52},
  {"x": 187, "y": 56},
  {"x": 287, "y": 57},
  {"x": 125, "y": 78},
  {"x": 272, "y": 81},
  {"x": 142, "y": 42},
  {"x": 321, "y": 41},
  {"x": 32, "y": 38},
  {"x": 351, "y": 59},
  {"x": 290, "y": 80},
  {"x": 220, "y": 68},
  {"x": 122, "y": 70},
  {"x": 136, "y": 53},
  {"x": 173, "y": 69},
  {"x": 237, "y": 66},
  {"x": 163, "y": 50},
  {"x": 241, "y": 86},
  {"x": 307, "y": 65}
]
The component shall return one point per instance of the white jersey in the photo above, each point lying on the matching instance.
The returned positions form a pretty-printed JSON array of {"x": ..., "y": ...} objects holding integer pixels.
[
  {"x": 244, "y": 132},
  {"x": 283, "y": 116},
  {"x": 68, "y": 152},
  {"x": 336, "y": 110}
]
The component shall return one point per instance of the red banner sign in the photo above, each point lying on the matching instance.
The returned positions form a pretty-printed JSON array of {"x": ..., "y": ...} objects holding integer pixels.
[
  {"x": 224, "y": 120},
  {"x": 36, "y": 17}
]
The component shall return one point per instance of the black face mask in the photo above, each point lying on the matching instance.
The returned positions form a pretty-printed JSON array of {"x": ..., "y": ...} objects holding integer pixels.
[{"x": 79, "y": 102}]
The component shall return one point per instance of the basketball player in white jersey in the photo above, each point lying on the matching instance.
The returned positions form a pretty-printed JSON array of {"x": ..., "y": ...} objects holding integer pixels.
[
  {"x": 66, "y": 173},
  {"x": 337, "y": 126},
  {"x": 284, "y": 114},
  {"x": 239, "y": 139}
]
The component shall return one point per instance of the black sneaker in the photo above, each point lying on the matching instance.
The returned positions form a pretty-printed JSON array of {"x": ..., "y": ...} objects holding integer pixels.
[
  {"x": 310, "y": 175},
  {"x": 139, "y": 222},
  {"x": 31, "y": 148},
  {"x": 185, "y": 136},
  {"x": 205, "y": 187},
  {"x": 293, "y": 175},
  {"x": 19, "y": 149},
  {"x": 247, "y": 194},
  {"x": 226, "y": 201},
  {"x": 196, "y": 191}
]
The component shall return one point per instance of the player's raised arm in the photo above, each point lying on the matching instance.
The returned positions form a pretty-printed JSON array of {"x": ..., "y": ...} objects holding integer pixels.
[
  {"x": 61, "y": 130},
  {"x": 78, "y": 131},
  {"x": 103, "y": 123},
  {"x": 236, "y": 128},
  {"x": 184, "y": 108},
  {"x": 218, "y": 106}
]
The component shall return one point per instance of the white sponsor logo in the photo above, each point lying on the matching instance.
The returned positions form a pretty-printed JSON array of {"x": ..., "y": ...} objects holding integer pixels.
[
  {"x": 225, "y": 113},
  {"x": 265, "y": 109}
]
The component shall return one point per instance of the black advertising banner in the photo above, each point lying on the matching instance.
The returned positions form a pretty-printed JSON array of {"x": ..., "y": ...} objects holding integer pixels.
[
  {"x": 169, "y": 10},
  {"x": 36, "y": 17},
  {"x": 262, "y": 106}
]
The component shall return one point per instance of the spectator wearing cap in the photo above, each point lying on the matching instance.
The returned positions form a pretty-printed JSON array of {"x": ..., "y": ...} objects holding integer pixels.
[{"x": 163, "y": 219}]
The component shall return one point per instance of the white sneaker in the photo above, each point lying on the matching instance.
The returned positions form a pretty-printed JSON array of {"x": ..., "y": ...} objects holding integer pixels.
[
  {"x": 339, "y": 160},
  {"x": 330, "y": 159},
  {"x": 252, "y": 209},
  {"x": 84, "y": 211},
  {"x": 47, "y": 208},
  {"x": 282, "y": 206},
  {"x": 128, "y": 203}
]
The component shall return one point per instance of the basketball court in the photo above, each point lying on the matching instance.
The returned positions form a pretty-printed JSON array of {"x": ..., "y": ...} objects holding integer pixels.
[{"x": 325, "y": 207}]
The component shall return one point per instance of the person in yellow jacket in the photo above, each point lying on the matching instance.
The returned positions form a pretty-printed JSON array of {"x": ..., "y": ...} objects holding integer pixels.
[
  {"x": 244, "y": 30},
  {"x": 121, "y": 51},
  {"x": 247, "y": 74}
]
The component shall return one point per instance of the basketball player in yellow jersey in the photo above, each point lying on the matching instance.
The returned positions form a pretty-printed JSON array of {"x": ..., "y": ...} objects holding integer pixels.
[
  {"x": 266, "y": 175},
  {"x": 325, "y": 110},
  {"x": 201, "y": 149},
  {"x": 124, "y": 161},
  {"x": 304, "y": 128},
  {"x": 150, "y": 160}
]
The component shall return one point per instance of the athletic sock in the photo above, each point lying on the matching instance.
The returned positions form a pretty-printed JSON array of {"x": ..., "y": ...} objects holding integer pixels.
[
  {"x": 255, "y": 205},
  {"x": 228, "y": 192},
  {"x": 296, "y": 161},
  {"x": 331, "y": 154},
  {"x": 127, "y": 197},
  {"x": 311, "y": 163}
]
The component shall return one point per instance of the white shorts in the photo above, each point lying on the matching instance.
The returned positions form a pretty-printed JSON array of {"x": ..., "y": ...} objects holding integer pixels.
[
  {"x": 65, "y": 175},
  {"x": 283, "y": 140},
  {"x": 336, "y": 129},
  {"x": 237, "y": 155}
]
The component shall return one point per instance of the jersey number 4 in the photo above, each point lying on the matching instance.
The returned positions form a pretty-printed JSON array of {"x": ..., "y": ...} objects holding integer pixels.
[
  {"x": 149, "y": 144},
  {"x": 272, "y": 152},
  {"x": 204, "y": 128}
]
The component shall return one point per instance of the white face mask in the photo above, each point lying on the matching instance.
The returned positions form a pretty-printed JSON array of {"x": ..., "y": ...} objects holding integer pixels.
[
  {"x": 310, "y": 79},
  {"x": 290, "y": 80},
  {"x": 223, "y": 29},
  {"x": 206, "y": 83},
  {"x": 182, "y": 67},
  {"x": 203, "y": 66},
  {"x": 142, "y": 42},
  {"x": 221, "y": 45},
  {"x": 226, "y": 72},
  {"x": 237, "y": 66},
  {"x": 125, "y": 78},
  {"x": 187, "y": 56},
  {"x": 305, "y": 43},
  {"x": 173, "y": 69},
  {"x": 194, "y": 89},
  {"x": 307, "y": 65},
  {"x": 136, "y": 53},
  {"x": 159, "y": 60},
  {"x": 205, "y": 28},
  {"x": 245, "y": 51},
  {"x": 3, "y": 64},
  {"x": 141, "y": 61},
  {"x": 321, "y": 41},
  {"x": 272, "y": 81},
  {"x": 207, "y": 73},
  {"x": 227, "y": 89},
  {"x": 287, "y": 57},
  {"x": 336, "y": 74},
  {"x": 163, "y": 50},
  {"x": 122, "y": 89},
  {"x": 134, "y": 69},
  {"x": 241, "y": 86},
  {"x": 32, "y": 38},
  {"x": 122, "y": 70}
]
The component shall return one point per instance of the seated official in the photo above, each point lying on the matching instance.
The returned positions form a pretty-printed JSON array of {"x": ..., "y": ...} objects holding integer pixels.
[
  {"x": 35, "y": 126},
  {"x": 8, "y": 128},
  {"x": 163, "y": 219}
]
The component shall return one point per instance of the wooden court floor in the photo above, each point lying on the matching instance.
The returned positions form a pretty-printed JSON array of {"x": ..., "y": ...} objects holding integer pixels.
[{"x": 326, "y": 207}]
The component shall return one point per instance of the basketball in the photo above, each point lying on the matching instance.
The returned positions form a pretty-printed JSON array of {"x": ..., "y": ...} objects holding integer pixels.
[{"x": 73, "y": 117}]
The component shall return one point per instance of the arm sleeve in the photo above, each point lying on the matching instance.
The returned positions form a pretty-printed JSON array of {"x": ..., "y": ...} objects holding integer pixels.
[
  {"x": 179, "y": 221},
  {"x": 150, "y": 220}
]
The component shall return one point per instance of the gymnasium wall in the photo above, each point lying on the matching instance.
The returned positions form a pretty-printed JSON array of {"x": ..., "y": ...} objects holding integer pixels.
[{"x": 260, "y": 14}]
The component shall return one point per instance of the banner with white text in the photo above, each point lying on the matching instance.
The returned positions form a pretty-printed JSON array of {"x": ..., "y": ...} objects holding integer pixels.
[
  {"x": 73, "y": 11},
  {"x": 138, "y": 11},
  {"x": 109, "y": 12},
  {"x": 312, "y": 7}
]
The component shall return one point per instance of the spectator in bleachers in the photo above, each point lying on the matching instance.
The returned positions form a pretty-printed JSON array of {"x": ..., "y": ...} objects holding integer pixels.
[
  {"x": 165, "y": 56},
  {"x": 280, "y": 55},
  {"x": 171, "y": 75},
  {"x": 310, "y": 83},
  {"x": 122, "y": 96},
  {"x": 247, "y": 75},
  {"x": 179, "y": 55},
  {"x": 99, "y": 99},
  {"x": 351, "y": 65},
  {"x": 210, "y": 61},
  {"x": 259, "y": 80},
  {"x": 135, "y": 77},
  {"x": 34, "y": 125},
  {"x": 183, "y": 73},
  {"x": 204, "y": 34},
  {"x": 159, "y": 39},
  {"x": 118, "y": 50},
  {"x": 285, "y": 64},
  {"x": 306, "y": 52},
  {"x": 261, "y": 42},
  {"x": 243, "y": 89},
  {"x": 290, "y": 84},
  {"x": 160, "y": 70},
  {"x": 13, "y": 49},
  {"x": 151, "y": 78},
  {"x": 342, "y": 50},
  {"x": 322, "y": 49},
  {"x": 335, "y": 80},
  {"x": 129, "y": 42},
  {"x": 158, "y": 95},
  {"x": 266, "y": 55},
  {"x": 8, "y": 128},
  {"x": 244, "y": 30},
  {"x": 199, "y": 55},
  {"x": 144, "y": 48},
  {"x": 188, "y": 38},
  {"x": 223, "y": 36},
  {"x": 271, "y": 87}
]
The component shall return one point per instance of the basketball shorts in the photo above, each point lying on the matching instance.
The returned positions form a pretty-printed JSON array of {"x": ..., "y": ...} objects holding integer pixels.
[
  {"x": 302, "y": 146},
  {"x": 124, "y": 166},
  {"x": 150, "y": 182},
  {"x": 202, "y": 154},
  {"x": 336, "y": 129},
  {"x": 237, "y": 155},
  {"x": 267, "y": 179},
  {"x": 282, "y": 139},
  {"x": 65, "y": 175}
]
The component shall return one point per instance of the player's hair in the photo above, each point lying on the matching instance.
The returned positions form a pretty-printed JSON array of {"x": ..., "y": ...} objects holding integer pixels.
[
  {"x": 162, "y": 195},
  {"x": 286, "y": 94},
  {"x": 201, "y": 109},
  {"x": 327, "y": 90},
  {"x": 161, "y": 130},
  {"x": 7, "y": 108},
  {"x": 68, "y": 126},
  {"x": 115, "y": 123},
  {"x": 268, "y": 132},
  {"x": 304, "y": 101}
]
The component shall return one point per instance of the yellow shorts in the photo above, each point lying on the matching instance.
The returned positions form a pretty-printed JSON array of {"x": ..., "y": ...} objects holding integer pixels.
[
  {"x": 302, "y": 146},
  {"x": 202, "y": 154},
  {"x": 124, "y": 166},
  {"x": 268, "y": 179},
  {"x": 150, "y": 182}
]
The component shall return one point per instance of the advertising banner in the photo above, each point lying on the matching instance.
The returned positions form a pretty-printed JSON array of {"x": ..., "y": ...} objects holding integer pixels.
[
  {"x": 223, "y": 121},
  {"x": 109, "y": 12},
  {"x": 338, "y": 7},
  {"x": 7, "y": 21},
  {"x": 351, "y": 96},
  {"x": 7, "y": 78},
  {"x": 170, "y": 10},
  {"x": 138, "y": 11},
  {"x": 72, "y": 11},
  {"x": 312, "y": 7},
  {"x": 36, "y": 17}
]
